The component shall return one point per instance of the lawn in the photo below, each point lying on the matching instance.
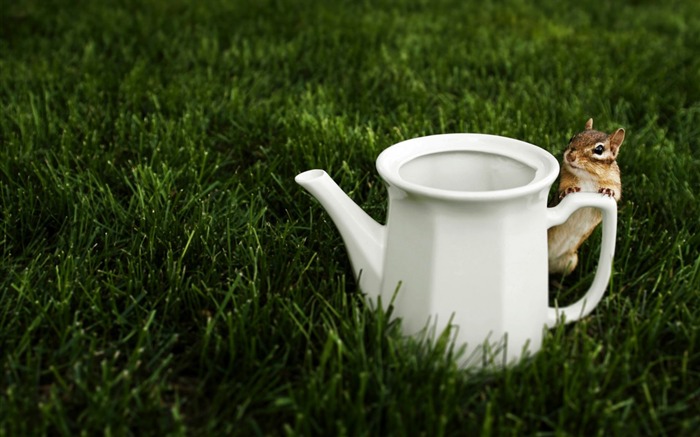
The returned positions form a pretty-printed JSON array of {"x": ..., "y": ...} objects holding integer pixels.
[{"x": 162, "y": 274}]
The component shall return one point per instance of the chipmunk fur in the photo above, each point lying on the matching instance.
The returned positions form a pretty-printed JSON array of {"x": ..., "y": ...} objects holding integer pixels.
[{"x": 589, "y": 165}]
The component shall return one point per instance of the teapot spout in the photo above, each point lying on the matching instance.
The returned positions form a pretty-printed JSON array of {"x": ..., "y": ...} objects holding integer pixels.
[{"x": 364, "y": 238}]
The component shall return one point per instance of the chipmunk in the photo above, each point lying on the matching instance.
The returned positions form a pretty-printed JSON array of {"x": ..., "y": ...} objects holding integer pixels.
[{"x": 589, "y": 166}]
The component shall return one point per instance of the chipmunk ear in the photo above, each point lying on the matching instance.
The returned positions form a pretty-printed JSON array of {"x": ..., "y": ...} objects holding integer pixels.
[
  {"x": 589, "y": 124},
  {"x": 616, "y": 139}
]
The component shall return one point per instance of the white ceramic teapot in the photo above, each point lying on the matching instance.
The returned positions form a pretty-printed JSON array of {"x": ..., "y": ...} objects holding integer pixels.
[{"x": 465, "y": 240}]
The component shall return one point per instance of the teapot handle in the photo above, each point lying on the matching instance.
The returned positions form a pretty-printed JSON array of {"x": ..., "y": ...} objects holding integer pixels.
[{"x": 559, "y": 215}]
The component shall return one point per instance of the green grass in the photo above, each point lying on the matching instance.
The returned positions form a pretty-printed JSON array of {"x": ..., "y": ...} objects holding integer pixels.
[{"x": 160, "y": 272}]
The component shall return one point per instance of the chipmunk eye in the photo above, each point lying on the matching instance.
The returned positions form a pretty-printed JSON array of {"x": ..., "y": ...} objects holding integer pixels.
[{"x": 599, "y": 148}]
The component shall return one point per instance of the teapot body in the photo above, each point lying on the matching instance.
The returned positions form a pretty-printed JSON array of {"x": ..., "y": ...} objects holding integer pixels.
[
  {"x": 479, "y": 268},
  {"x": 475, "y": 264}
]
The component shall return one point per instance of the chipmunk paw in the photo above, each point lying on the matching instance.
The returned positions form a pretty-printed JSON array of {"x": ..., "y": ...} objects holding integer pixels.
[
  {"x": 569, "y": 190},
  {"x": 607, "y": 192}
]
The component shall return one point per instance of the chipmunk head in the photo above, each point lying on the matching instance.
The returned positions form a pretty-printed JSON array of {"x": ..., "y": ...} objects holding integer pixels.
[{"x": 592, "y": 150}]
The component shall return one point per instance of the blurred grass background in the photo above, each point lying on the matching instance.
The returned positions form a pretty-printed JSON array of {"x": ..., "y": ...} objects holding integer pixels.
[{"x": 160, "y": 272}]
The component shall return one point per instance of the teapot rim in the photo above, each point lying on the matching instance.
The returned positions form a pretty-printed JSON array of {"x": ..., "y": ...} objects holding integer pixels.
[{"x": 392, "y": 159}]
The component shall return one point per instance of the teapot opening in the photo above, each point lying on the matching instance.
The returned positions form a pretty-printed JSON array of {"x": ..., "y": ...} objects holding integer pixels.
[
  {"x": 465, "y": 170},
  {"x": 468, "y": 167}
]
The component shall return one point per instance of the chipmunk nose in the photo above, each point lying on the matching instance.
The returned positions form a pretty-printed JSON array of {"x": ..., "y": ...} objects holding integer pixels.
[{"x": 570, "y": 157}]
